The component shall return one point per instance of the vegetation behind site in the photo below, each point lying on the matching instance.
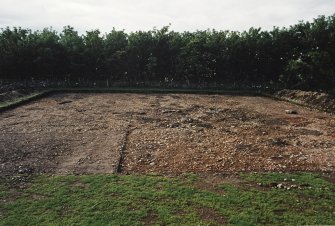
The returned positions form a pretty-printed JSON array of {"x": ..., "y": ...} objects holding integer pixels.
[{"x": 301, "y": 56}]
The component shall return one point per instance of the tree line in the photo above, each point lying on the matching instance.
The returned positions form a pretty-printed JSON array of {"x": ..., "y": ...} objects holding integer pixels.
[{"x": 300, "y": 56}]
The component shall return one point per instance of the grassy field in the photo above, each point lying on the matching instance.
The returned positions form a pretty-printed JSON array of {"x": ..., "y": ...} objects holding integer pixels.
[{"x": 253, "y": 199}]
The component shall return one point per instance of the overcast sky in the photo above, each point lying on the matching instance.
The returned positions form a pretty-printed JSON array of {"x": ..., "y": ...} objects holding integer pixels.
[{"x": 133, "y": 15}]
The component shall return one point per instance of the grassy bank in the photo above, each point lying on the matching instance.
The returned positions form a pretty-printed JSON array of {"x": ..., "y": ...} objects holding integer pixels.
[
  {"x": 252, "y": 199},
  {"x": 21, "y": 100}
]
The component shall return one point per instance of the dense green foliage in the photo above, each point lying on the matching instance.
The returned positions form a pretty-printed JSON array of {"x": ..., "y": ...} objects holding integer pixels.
[
  {"x": 301, "y": 56},
  {"x": 158, "y": 200}
]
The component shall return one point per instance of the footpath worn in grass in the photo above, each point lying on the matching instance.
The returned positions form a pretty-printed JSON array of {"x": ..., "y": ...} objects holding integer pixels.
[{"x": 255, "y": 199}]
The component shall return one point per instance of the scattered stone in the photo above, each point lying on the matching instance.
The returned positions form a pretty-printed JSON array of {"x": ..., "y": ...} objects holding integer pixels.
[
  {"x": 186, "y": 120},
  {"x": 205, "y": 125},
  {"x": 313, "y": 99},
  {"x": 25, "y": 170},
  {"x": 266, "y": 143},
  {"x": 65, "y": 102},
  {"x": 292, "y": 112},
  {"x": 280, "y": 186},
  {"x": 175, "y": 125},
  {"x": 294, "y": 186},
  {"x": 279, "y": 142}
]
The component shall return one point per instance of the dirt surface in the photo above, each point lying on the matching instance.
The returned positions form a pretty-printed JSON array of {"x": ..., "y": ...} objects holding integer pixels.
[
  {"x": 167, "y": 134},
  {"x": 317, "y": 100},
  {"x": 12, "y": 91}
]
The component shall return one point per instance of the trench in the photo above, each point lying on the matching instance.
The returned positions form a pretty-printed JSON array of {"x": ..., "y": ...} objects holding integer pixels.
[{"x": 123, "y": 148}]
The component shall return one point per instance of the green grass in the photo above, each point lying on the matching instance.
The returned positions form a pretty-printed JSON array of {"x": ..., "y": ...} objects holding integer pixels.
[
  {"x": 19, "y": 100},
  {"x": 158, "y": 200}
]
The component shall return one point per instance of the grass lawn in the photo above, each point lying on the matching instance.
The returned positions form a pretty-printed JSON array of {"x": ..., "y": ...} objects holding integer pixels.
[{"x": 254, "y": 199}]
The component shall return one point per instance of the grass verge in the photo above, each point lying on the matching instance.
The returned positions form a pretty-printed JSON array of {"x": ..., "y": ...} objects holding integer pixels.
[
  {"x": 256, "y": 199},
  {"x": 21, "y": 100}
]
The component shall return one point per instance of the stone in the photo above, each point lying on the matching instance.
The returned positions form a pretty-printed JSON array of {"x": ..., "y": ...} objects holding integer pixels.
[{"x": 294, "y": 112}]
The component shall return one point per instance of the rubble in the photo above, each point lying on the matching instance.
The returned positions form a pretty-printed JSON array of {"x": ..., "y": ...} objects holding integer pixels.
[{"x": 191, "y": 133}]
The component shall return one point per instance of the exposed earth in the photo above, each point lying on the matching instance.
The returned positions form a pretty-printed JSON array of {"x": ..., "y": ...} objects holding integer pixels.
[
  {"x": 165, "y": 134},
  {"x": 12, "y": 91},
  {"x": 316, "y": 100}
]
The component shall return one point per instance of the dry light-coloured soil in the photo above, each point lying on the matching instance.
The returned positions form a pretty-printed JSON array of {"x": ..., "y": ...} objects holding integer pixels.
[{"x": 166, "y": 134}]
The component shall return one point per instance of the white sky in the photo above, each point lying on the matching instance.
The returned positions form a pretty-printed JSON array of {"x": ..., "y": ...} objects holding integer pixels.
[{"x": 184, "y": 15}]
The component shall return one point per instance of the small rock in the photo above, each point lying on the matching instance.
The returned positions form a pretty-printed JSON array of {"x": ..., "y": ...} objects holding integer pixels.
[
  {"x": 175, "y": 125},
  {"x": 25, "y": 170},
  {"x": 186, "y": 120},
  {"x": 292, "y": 112},
  {"x": 199, "y": 129}
]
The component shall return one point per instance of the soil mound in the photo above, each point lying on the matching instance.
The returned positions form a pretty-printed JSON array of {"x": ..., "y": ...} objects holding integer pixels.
[{"x": 316, "y": 100}]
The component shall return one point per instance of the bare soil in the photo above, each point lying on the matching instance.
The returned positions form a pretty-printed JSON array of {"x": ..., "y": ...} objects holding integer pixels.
[
  {"x": 317, "y": 100},
  {"x": 11, "y": 91},
  {"x": 166, "y": 134}
]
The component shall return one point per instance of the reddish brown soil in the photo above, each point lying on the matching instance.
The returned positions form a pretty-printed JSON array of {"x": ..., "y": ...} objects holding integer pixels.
[
  {"x": 167, "y": 134},
  {"x": 316, "y": 100}
]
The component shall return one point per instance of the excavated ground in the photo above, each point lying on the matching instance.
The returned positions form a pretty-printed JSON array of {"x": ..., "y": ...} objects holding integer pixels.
[{"x": 166, "y": 134}]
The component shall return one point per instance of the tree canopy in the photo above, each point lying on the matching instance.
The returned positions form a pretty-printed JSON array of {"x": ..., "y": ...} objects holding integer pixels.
[{"x": 300, "y": 56}]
